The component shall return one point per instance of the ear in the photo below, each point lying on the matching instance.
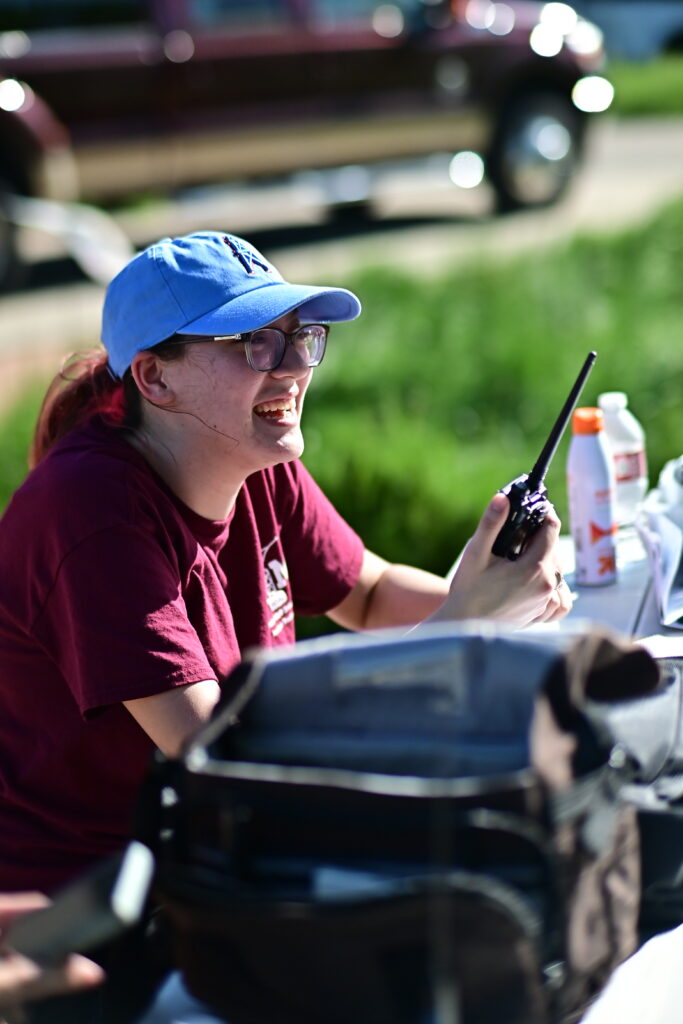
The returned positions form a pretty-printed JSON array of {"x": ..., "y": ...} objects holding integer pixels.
[{"x": 149, "y": 374}]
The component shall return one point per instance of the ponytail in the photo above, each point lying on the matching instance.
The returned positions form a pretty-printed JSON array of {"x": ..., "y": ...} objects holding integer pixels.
[{"x": 83, "y": 386}]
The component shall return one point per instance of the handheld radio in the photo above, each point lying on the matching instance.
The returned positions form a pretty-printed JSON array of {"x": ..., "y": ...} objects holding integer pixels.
[{"x": 527, "y": 493}]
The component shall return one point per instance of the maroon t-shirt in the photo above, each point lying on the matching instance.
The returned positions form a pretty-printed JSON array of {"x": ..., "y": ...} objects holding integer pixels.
[{"x": 112, "y": 589}]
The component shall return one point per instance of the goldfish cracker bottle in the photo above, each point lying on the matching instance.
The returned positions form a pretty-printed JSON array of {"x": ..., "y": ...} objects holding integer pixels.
[
  {"x": 626, "y": 441},
  {"x": 591, "y": 492}
]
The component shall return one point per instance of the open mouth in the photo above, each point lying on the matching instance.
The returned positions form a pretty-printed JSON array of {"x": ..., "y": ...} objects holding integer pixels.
[{"x": 283, "y": 409}]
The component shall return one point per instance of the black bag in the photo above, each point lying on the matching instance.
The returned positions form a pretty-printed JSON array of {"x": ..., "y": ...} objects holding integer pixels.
[{"x": 406, "y": 829}]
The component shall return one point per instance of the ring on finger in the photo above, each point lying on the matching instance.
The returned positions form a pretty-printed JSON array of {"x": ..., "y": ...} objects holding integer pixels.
[{"x": 559, "y": 579}]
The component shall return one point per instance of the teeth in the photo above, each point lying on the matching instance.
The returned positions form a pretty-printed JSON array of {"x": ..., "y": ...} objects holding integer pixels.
[{"x": 287, "y": 406}]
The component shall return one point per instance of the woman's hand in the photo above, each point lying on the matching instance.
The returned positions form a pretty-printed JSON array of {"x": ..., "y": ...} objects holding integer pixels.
[
  {"x": 485, "y": 586},
  {"x": 21, "y": 979}
]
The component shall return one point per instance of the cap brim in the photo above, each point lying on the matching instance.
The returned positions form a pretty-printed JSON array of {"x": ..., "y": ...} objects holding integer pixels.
[{"x": 261, "y": 306}]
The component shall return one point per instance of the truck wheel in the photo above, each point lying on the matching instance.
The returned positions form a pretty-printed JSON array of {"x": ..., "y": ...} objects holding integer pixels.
[
  {"x": 12, "y": 271},
  {"x": 536, "y": 149}
]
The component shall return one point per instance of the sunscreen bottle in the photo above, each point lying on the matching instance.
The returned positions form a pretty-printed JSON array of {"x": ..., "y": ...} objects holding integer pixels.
[
  {"x": 591, "y": 492},
  {"x": 626, "y": 441}
]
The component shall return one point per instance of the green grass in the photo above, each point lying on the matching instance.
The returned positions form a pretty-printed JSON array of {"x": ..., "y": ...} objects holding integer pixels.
[
  {"x": 16, "y": 431},
  {"x": 649, "y": 87},
  {"x": 445, "y": 389}
]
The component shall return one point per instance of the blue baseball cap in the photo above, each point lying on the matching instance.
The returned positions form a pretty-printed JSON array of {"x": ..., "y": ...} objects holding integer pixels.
[{"x": 205, "y": 283}]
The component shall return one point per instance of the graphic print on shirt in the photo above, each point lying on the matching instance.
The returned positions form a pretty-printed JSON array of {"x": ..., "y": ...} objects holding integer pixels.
[{"x": 279, "y": 601}]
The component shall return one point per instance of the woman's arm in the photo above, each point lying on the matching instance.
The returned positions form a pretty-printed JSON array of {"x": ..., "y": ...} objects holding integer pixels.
[
  {"x": 173, "y": 717},
  {"x": 484, "y": 585},
  {"x": 387, "y": 594}
]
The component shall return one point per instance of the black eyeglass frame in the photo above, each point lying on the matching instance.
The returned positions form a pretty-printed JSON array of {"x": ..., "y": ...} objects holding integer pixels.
[{"x": 287, "y": 338}]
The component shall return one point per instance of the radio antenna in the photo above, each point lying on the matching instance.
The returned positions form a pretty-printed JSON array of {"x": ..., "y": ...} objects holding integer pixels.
[{"x": 537, "y": 474}]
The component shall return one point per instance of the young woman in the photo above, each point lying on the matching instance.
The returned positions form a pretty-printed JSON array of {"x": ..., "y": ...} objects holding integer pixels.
[{"x": 167, "y": 525}]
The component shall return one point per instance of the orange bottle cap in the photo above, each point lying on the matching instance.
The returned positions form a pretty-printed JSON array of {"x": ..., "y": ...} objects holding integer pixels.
[{"x": 588, "y": 420}]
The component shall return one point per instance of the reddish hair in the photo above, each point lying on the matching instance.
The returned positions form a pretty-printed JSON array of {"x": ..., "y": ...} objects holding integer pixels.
[
  {"x": 85, "y": 386},
  {"x": 82, "y": 387}
]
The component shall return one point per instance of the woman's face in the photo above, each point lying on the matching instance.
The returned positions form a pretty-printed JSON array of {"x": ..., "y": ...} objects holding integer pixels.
[{"x": 253, "y": 417}]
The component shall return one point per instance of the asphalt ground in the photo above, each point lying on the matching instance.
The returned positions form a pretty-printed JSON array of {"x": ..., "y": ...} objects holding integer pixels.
[{"x": 422, "y": 223}]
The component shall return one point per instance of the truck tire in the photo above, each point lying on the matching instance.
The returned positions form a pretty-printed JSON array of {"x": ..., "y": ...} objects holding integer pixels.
[
  {"x": 536, "y": 149},
  {"x": 12, "y": 270}
]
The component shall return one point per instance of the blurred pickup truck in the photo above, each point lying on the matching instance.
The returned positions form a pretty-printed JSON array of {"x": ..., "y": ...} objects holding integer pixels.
[{"x": 104, "y": 100}]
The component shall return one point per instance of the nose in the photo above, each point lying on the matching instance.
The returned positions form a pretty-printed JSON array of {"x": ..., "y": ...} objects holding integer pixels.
[{"x": 292, "y": 364}]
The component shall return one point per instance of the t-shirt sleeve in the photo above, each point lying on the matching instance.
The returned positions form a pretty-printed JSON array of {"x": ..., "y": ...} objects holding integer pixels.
[
  {"x": 324, "y": 554},
  {"x": 115, "y": 620}
]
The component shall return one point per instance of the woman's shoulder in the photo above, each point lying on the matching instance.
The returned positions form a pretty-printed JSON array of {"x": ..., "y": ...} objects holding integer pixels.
[
  {"x": 284, "y": 478},
  {"x": 281, "y": 486},
  {"x": 91, "y": 479},
  {"x": 289, "y": 492}
]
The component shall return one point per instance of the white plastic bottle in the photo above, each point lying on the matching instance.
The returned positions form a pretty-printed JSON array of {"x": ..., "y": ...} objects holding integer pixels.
[
  {"x": 591, "y": 492},
  {"x": 626, "y": 440}
]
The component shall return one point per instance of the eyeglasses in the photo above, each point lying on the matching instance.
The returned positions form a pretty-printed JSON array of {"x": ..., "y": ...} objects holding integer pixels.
[{"x": 265, "y": 348}]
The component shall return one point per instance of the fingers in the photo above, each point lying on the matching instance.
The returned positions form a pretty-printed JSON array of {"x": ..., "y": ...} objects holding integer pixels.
[
  {"x": 519, "y": 592},
  {"x": 542, "y": 553},
  {"x": 565, "y": 600},
  {"x": 551, "y": 612},
  {"x": 489, "y": 526},
  {"x": 540, "y": 544},
  {"x": 541, "y": 558},
  {"x": 13, "y": 904},
  {"x": 558, "y": 602},
  {"x": 22, "y": 980},
  {"x": 79, "y": 972},
  {"x": 546, "y": 537}
]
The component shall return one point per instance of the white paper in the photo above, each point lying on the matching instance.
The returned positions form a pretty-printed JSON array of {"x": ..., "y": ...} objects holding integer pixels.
[
  {"x": 660, "y": 646},
  {"x": 660, "y": 525}
]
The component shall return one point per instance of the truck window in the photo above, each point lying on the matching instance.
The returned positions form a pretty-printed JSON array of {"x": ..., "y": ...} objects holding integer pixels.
[
  {"x": 32, "y": 15},
  {"x": 239, "y": 14},
  {"x": 337, "y": 13}
]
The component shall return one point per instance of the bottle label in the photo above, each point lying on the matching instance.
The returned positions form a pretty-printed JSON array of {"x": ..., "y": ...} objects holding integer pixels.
[
  {"x": 593, "y": 528},
  {"x": 607, "y": 566},
  {"x": 598, "y": 532},
  {"x": 629, "y": 466}
]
